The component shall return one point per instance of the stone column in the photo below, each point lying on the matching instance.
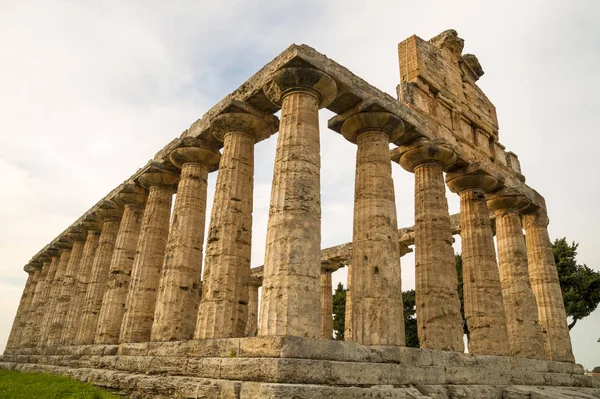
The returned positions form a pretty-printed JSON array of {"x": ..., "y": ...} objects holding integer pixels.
[
  {"x": 40, "y": 299},
  {"x": 377, "y": 311},
  {"x": 524, "y": 333},
  {"x": 291, "y": 290},
  {"x": 48, "y": 336},
  {"x": 179, "y": 289},
  {"x": 65, "y": 292},
  {"x": 149, "y": 256},
  {"x": 484, "y": 306},
  {"x": 438, "y": 307},
  {"x": 18, "y": 328},
  {"x": 113, "y": 302},
  {"x": 252, "y": 322},
  {"x": 546, "y": 288},
  {"x": 348, "y": 313},
  {"x": 326, "y": 306},
  {"x": 223, "y": 312},
  {"x": 82, "y": 279},
  {"x": 99, "y": 276}
]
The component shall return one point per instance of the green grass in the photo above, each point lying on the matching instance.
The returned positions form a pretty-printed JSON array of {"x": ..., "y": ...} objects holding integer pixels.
[{"x": 17, "y": 385}]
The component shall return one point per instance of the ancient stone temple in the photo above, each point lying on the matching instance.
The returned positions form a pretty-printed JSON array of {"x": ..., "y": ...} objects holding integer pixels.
[{"x": 134, "y": 297}]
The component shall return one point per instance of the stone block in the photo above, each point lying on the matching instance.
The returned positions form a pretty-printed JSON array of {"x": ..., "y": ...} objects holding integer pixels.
[
  {"x": 168, "y": 365},
  {"x": 134, "y": 349},
  {"x": 250, "y": 369},
  {"x": 207, "y": 367},
  {"x": 174, "y": 348},
  {"x": 134, "y": 364}
]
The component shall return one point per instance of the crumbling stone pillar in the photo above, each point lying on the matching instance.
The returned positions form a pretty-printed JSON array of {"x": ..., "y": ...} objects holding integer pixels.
[
  {"x": 23, "y": 311},
  {"x": 546, "y": 288},
  {"x": 82, "y": 278},
  {"x": 326, "y": 306},
  {"x": 484, "y": 306},
  {"x": 524, "y": 333},
  {"x": 179, "y": 290},
  {"x": 348, "y": 313},
  {"x": 437, "y": 304},
  {"x": 99, "y": 276},
  {"x": 40, "y": 303},
  {"x": 48, "y": 335},
  {"x": 223, "y": 312},
  {"x": 291, "y": 291},
  {"x": 377, "y": 312},
  {"x": 252, "y": 322},
  {"x": 25, "y": 339},
  {"x": 149, "y": 256},
  {"x": 113, "y": 302},
  {"x": 65, "y": 292}
]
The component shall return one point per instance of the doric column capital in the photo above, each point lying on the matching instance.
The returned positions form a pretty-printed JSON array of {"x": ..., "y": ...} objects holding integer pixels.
[
  {"x": 164, "y": 179},
  {"x": 77, "y": 235},
  {"x": 64, "y": 243},
  {"x": 255, "y": 281},
  {"x": 370, "y": 121},
  {"x": 424, "y": 151},
  {"x": 537, "y": 218},
  {"x": 258, "y": 127},
  {"x": 109, "y": 211},
  {"x": 478, "y": 180},
  {"x": 133, "y": 195},
  {"x": 182, "y": 155},
  {"x": 507, "y": 202},
  {"x": 294, "y": 79}
]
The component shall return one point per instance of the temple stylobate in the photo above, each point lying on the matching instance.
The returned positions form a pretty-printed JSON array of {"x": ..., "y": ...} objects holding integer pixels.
[{"x": 134, "y": 288}]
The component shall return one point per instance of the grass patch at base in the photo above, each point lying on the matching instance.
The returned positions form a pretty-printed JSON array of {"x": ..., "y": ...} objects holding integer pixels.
[{"x": 18, "y": 385}]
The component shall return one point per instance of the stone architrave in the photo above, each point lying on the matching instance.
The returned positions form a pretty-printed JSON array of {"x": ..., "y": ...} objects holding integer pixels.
[
  {"x": 99, "y": 276},
  {"x": 252, "y": 322},
  {"x": 179, "y": 289},
  {"x": 223, "y": 312},
  {"x": 291, "y": 296},
  {"x": 82, "y": 279},
  {"x": 48, "y": 336},
  {"x": 546, "y": 288},
  {"x": 326, "y": 306},
  {"x": 377, "y": 311},
  {"x": 149, "y": 257},
  {"x": 18, "y": 328},
  {"x": 113, "y": 302},
  {"x": 348, "y": 313},
  {"x": 484, "y": 306},
  {"x": 40, "y": 303},
  {"x": 437, "y": 303},
  {"x": 65, "y": 292},
  {"x": 522, "y": 322}
]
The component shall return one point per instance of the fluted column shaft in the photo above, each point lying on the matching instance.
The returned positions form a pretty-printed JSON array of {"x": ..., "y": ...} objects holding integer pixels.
[
  {"x": 18, "y": 328},
  {"x": 546, "y": 288},
  {"x": 113, "y": 302},
  {"x": 348, "y": 314},
  {"x": 25, "y": 339},
  {"x": 180, "y": 290},
  {"x": 79, "y": 290},
  {"x": 326, "y": 306},
  {"x": 48, "y": 335},
  {"x": 524, "y": 333},
  {"x": 145, "y": 275},
  {"x": 252, "y": 322},
  {"x": 97, "y": 283},
  {"x": 40, "y": 302},
  {"x": 63, "y": 300}
]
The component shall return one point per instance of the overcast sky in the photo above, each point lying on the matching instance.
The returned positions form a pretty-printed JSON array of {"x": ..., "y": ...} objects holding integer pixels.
[{"x": 90, "y": 90}]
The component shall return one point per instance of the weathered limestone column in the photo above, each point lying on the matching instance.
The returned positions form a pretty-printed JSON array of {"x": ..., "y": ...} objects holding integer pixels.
[
  {"x": 252, "y": 322},
  {"x": 23, "y": 311},
  {"x": 437, "y": 304},
  {"x": 179, "y": 289},
  {"x": 223, "y": 312},
  {"x": 65, "y": 292},
  {"x": 25, "y": 338},
  {"x": 291, "y": 293},
  {"x": 40, "y": 299},
  {"x": 546, "y": 288},
  {"x": 348, "y": 313},
  {"x": 82, "y": 279},
  {"x": 48, "y": 335},
  {"x": 113, "y": 302},
  {"x": 99, "y": 276},
  {"x": 377, "y": 312},
  {"x": 484, "y": 306},
  {"x": 149, "y": 256},
  {"x": 524, "y": 332},
  {"x": 326, "y": 306}
]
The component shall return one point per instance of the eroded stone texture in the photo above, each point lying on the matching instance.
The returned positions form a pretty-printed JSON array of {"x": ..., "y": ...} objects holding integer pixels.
[
  {"x": 179, "y": 290},
  {"x": 149, "y": 256},
  {"x": 119, "y": 275},
  {"x": 326, "y": 306},
  {"x": 291, "y": 289},
  {"x": 348, "y": 313},
  {"x": 48, "y": 335},
  {"x": 484, "y": 306},
  {"x": 252, "y": 322},
  {"x": 377, "y": 312},
  {"x": 223, "y": 312},
  {"x": 524, "y": 332},
  {"x": 437, "y": 304},
  {"x": 546, "y": 288},
  {"x": 82, "y": 279},
  {"x": 23, "y": 311},
  {"x": 98, "y": 279},
  {"x": 40, "y": 303}
]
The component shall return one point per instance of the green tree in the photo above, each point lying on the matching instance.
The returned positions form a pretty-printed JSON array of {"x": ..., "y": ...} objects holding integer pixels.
[
  {"x": 410, "y": 319},
  {"x": 580, "y": 284},
  {"x": 339, "y": 311}
]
